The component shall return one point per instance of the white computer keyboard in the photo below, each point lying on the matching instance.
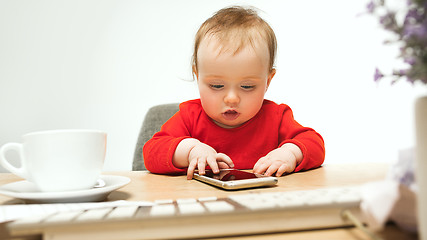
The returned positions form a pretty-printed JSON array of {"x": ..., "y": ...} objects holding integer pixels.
[{"x": 239, "y": 214}]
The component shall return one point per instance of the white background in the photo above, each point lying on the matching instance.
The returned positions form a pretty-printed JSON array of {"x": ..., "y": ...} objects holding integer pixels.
[{"x": 101, "y": 64}]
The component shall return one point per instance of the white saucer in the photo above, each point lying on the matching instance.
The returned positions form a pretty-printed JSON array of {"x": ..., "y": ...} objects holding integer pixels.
[{"x": 27, "y": 191}]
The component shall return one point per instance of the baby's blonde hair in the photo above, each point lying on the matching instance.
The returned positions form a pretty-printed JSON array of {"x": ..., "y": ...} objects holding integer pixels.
[{"x": 236, "y": 27}]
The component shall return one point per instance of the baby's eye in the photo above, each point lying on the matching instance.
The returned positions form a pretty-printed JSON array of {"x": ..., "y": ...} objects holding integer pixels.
[
  {"x": 248, "y": 87},
  {"x": 216, "y": 86}
]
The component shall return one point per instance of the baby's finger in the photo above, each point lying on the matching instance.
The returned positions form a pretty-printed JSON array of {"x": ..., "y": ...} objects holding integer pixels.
[
  {"x": 261, "y": 166},
  {"x": 223, "y": 165},
  {"x": 282, "y": 169},
  {"x": 273, "y": 168},
  {"x": 213, "y": 164},
  {"x": 258, "y": 164},
  {"x": 226, "y": 159},
  {"x": 190, "y": 169},
  {"x": 201, "y": 165}
]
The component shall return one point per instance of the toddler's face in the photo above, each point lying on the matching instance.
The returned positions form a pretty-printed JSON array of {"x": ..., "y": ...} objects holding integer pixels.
[{"x": 232, "y": 86}]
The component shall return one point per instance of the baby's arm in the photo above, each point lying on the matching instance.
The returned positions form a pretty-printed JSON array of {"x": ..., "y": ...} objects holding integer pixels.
[
  {"x": 281, "y": 160},
  {"x": 193, "y": 154}
]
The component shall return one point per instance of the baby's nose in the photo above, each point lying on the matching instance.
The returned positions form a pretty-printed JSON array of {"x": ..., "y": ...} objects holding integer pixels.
[{"x": 231, "y": 97}]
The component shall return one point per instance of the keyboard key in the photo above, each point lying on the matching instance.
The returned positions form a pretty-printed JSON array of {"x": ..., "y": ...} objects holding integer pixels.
[
  {"x": 63, "y": 217},
  {"x": 241, "y": 197},
  {"x": 163, "y": 210},
  {"x": 36, "y": 209},
  {"x": 186, "y": 200},
  {"x": 260, "y": 205},
  {"x": 163, "y": 201},
  {"x": 205, "y": 199},
  {"x": 11, "y": 212},
  {"x": 290, "y": 204},
  {"x": 60, "y": 207},
  {"x": 74, "y": 206},
  {"x": 219, "y": 206},
  {"x": 32, "y": 220},
  {"x": 54, "y": 208},
  {"x": 93, "y": 214},
  {"x": 191, "y": 208},
  {"x": 123, "y": 212}
]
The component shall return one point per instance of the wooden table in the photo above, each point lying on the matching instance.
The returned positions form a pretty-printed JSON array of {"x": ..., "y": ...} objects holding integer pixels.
[{"x": 150, "y": 187}]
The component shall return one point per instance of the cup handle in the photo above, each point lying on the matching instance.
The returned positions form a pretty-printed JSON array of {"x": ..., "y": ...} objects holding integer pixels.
[{"x": 3, "y": 161}]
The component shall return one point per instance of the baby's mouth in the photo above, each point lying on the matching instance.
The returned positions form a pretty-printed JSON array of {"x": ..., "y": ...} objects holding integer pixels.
[{"x": 230, "y": 115}]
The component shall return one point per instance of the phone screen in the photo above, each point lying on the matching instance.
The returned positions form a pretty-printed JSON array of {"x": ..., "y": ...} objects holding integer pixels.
[{"x": 230, "y": 175}]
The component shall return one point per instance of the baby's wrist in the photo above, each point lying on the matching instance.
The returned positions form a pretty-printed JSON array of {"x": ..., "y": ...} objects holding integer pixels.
[
  {"x": 192, "y": 143},
  {"x": 294, "y": 150},
  {"x": 182, "y": 152}
]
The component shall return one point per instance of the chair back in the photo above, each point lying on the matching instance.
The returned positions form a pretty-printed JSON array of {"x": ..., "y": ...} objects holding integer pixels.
[{"x": 153, "y": 121}]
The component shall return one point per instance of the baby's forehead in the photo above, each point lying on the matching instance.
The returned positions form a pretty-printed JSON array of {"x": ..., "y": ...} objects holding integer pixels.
[{"x": 233, "y": 44}]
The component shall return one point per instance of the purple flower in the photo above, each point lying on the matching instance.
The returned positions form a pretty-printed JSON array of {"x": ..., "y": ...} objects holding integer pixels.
[
  {"x": 400, "y": 73},
  {"x": 409, "y": 60},
  {"x": 411, "y": 35},
  {"x": 378, "y": 75},
  {"x": 414, "y": 30},
  {"x": 370, "y": 7},
  {"x": 413, "y": 16}
]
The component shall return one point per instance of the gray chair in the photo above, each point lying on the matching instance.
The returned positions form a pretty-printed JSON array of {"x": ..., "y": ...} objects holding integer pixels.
[{"x": 153, "y": 121}]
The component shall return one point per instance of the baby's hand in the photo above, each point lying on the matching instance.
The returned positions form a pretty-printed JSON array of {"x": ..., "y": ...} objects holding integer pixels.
[
  {"x": 203, "y": 154},
  {"x": 280, "y": 160}
]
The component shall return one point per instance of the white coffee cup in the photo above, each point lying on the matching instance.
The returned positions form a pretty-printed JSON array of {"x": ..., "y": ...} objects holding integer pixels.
[{"x": 59, "y": 160}]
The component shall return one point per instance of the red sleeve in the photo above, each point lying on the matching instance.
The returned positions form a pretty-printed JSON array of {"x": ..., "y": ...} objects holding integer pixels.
[
  {"x": 159, "y": 150},
  {"x": 309, "y": 141}
]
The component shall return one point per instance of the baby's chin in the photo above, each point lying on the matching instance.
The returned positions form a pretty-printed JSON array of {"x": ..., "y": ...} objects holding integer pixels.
[{"x": 225, "y": 125}]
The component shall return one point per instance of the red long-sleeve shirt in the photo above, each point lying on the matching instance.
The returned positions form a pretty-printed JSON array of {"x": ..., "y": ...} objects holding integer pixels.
[{"x": 270, "y": 128}]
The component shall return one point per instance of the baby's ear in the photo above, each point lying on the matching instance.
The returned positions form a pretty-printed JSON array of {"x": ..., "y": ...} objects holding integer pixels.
[{"x": 270, "y": 76}]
